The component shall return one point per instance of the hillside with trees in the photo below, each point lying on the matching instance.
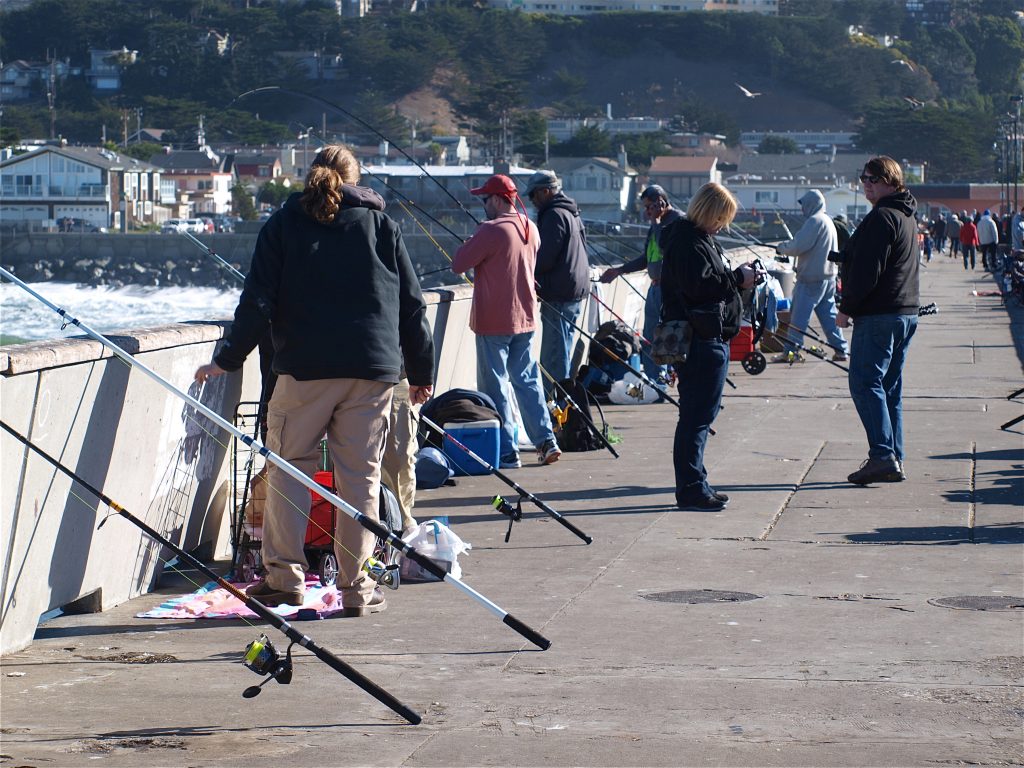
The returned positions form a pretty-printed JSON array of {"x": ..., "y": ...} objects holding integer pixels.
[{"x": 934, "y": 95}]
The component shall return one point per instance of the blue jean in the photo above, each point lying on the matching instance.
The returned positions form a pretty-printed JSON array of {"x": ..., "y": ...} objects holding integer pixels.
[
  {"x": 819, "y": 297},
  {"x": 701, "y": 381},
  {"x": 558, "y": 320},
  {"x": 652, "y": 315},
  {"x": 502, "y": 361},
  {"x": 969, "y": 251},
  {"x": 877, "y": 355}
]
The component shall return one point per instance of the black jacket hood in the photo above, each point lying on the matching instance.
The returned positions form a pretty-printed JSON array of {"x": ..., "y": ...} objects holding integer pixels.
[
  {"x": 902, "y": 201},
  {"x": 352, "y": 196}
]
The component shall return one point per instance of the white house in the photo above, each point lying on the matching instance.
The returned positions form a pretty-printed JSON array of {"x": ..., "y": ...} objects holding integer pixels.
[
  {"x": 604, "y": 189},
  {"x": 89, "y": 183}
]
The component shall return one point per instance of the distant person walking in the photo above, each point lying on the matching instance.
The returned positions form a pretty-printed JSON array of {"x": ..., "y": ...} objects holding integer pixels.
[
  {"x": 969, "y": 241},
  {"x": 562, "y": 273},
  {"x": 880, "y": 299},
  {"x": 953, "y": 230},
  {"x": 661, "y": 213},
  {"x": 988, "y": 240},
  {"x": 938, "y": 229},
  {"x": 503, "y": 254},
  {"x": 815, "y": 289}
]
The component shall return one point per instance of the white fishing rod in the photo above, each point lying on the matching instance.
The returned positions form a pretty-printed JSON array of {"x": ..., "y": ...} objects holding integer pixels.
[{"x": 370, "y": 524}]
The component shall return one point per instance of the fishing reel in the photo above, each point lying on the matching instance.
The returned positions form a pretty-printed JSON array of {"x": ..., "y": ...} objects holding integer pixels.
[
  {"x": 263, "y": 658},
  {"x": 514, "y": 514},
  {"x": 383, "y": 574}
]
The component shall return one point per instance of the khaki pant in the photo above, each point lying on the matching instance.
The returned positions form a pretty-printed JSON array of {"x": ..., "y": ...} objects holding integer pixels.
[
  {"x": 354, "y": 415},
  {"x": 399, "y": 465}
]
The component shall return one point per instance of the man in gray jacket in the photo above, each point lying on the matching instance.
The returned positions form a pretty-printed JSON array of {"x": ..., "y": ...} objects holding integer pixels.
[
  {"x": 815, "y": 278},
  {"x": 562, "y": 273}
]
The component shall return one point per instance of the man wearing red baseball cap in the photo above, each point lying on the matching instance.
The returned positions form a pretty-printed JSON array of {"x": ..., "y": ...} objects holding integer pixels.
[{"x": 503, "y": 253}]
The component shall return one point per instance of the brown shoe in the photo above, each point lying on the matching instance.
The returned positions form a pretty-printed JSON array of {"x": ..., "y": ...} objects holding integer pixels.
[
  {"x": 271, "y": 597},
  {"x": 376, "y": 605}
]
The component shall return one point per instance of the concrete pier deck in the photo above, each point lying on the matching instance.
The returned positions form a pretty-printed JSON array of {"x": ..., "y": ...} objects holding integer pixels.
[{"x": 846, "y": 656}]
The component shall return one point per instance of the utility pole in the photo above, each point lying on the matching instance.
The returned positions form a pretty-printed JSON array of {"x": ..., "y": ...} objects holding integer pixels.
[
  {"x": 51, "y": 95},
  {"x": 1016, "y": 101}
]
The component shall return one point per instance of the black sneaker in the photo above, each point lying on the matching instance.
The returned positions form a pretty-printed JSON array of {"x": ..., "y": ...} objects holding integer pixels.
[
  {"x": 877, "y": 471},
  {"x": 703, "y": 504},
  {"x": 271, "y": 597},
  {"x": 720, "y": 496}
]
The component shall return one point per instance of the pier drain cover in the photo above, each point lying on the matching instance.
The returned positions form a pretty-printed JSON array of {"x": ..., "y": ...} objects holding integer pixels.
[
  {"x": 980, "y": 602},
  {"x": 693, "y": 596}
]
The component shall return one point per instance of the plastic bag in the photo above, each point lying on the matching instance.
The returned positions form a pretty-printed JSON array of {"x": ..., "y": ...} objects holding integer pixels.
[
  {"x": 438, "y": 542},
  {"x": 630, "y": 390}
]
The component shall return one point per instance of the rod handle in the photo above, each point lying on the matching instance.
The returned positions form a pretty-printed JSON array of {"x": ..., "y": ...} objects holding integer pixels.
[{"x": 534, "y": 637}]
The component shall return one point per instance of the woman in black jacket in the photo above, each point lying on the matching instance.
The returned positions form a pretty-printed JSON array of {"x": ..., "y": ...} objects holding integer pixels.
[
  {"x": 332, "y": 279},
  {"x": 698, "y": 286}
]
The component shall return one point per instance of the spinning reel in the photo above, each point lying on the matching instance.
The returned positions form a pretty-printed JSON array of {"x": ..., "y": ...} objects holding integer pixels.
[
  {"x": 514, "y": 514},
  {"x": 262, "y": 658},
  {"x": 383, "y": 574}
]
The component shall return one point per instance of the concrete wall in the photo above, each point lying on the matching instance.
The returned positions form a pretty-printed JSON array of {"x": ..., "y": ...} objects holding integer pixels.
[{"x": 144, "y": 448}]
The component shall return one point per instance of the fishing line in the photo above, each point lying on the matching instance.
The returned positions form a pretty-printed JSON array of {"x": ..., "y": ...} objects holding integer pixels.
[
  {"x": 363, "y": 123},
  {"x": 369, "y": 523}
]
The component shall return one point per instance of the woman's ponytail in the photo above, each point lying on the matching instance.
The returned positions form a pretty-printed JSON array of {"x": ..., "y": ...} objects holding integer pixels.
[{"x": 333, "y": 166}]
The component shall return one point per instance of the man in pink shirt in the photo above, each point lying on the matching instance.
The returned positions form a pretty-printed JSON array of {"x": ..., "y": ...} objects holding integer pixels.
[{"x": 502, "y": 252}]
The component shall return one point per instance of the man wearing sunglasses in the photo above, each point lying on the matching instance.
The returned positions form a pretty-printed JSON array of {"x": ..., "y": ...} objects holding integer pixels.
[
  {"x": 880, "y": 299},
  {"x": 661, "y": 213}
]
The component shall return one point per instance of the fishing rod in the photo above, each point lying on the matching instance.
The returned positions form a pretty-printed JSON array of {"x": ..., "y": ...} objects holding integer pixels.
[
  {"x": 643, "y": 339},
  {"x": 523, "y": 493},
  {"x": 378, "y": 530},
  {"x": 212, "y": 254},
  {"x": 279, "y": 670},
  {"x": 572, "y": 404},
  {"x": 351, "y": 116}
]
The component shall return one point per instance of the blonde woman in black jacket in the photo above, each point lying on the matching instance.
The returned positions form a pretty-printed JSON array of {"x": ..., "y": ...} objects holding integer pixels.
[{"x": 698, "y": 285}]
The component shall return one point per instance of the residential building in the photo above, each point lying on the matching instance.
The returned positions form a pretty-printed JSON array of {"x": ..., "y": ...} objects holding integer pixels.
[
  {"x": 935, "y": 198},
  {"x": 604, "y": 189},
  {"x": 20, "y": 79},
  {"x": 828, "y": 169},
  {"x": 257, "y": 168},
  {"x": 683, "y": 176},
  {"x": 105, "y": 66},
  {"x": 561, "y": 129},
  {"x": 194, "y": 181},
  {"x": 806, "y": 141},
  {"x": 91, "y": 183}
]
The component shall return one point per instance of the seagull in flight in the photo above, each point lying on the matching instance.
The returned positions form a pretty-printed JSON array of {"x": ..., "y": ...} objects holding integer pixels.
[
  {"x": 914, "y": 103},
  {"x": 748, "y": 94},
  {"x": 903, "y": 63}
]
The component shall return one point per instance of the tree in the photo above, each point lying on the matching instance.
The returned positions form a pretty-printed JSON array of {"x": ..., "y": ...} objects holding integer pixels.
[
  {"x": 274, "y": 193},
  {"x": 589, "y": 141},
  {"x": 778, "y": 145},
  {"x": 241, "y": 203}
]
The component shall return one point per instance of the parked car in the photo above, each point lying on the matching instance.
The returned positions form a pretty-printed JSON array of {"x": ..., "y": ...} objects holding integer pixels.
[
  {"x": 71, "y": 224},
  {"x": 175, "y": 226}
]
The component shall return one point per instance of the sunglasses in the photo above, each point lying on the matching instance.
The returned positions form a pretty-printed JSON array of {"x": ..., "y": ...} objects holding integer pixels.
[{"x": 865, "y": 178}]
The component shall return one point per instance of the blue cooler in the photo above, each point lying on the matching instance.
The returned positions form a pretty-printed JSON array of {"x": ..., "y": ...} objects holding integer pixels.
[{"x": 481, "y": 437}]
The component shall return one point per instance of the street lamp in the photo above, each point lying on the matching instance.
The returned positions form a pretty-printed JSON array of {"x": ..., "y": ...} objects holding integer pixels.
[{"x": 1015, "y": 102}]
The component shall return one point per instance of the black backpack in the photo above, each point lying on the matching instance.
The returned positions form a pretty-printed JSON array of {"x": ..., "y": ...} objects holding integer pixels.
[
  {"x": 576, "y": 434},
  {"x": 613, "y": 336},
  {"x": 455, "y": 405}
]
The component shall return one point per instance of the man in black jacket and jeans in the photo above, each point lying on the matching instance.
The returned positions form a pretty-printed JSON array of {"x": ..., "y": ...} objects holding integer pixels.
[
  {"x": 880, "y": 299},
  {"x": 562, "y": 272}
]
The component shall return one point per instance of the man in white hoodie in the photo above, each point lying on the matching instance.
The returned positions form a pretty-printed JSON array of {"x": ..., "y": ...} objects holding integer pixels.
[
  {"x": 815, "y": 288},
  {"x": 988, "y": 240}
]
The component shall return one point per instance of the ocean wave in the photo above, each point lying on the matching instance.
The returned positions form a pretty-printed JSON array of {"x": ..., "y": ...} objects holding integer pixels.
[{"x": 106, "y": 309}]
